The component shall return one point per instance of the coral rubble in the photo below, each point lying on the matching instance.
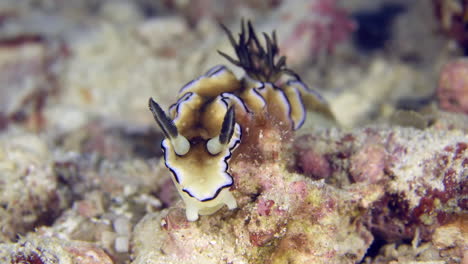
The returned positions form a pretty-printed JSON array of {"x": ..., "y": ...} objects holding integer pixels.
[
  {"x": 43, "y": 250},
  {"x": 25, "y": 160}
]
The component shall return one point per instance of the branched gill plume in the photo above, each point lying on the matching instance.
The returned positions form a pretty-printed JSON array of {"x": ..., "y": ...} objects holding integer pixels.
[{"x": 259, "y": 62}]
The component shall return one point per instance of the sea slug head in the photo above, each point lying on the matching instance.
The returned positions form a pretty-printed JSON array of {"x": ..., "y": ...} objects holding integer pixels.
[{"x": 198, "y": 161}]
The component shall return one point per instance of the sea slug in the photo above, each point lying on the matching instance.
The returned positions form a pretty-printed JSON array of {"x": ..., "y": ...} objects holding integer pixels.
[{"x": 217, "y": 113}]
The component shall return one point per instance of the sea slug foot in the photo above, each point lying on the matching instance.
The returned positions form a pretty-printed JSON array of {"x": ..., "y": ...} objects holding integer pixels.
[
  {"x": 191, "y": 213},
  {"x": 230, "y": 201}
]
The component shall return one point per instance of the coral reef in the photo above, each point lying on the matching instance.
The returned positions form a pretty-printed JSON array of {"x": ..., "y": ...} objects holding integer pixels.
[
  {"x": 281, "y": 212},
  {"x": 378, "y": 177}
]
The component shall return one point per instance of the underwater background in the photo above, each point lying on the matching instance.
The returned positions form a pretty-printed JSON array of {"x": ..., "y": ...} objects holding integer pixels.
[{"x": 378, "y": 172}]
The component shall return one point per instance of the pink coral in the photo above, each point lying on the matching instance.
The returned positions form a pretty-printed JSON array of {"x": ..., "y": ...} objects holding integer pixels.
[
  {"x": 309, "y": 159},
  {"x": 452, "y": 92},
  {"x": 367, "y": 165},
  {"x": 314, "y": 164},
  {"x": 264, "y": 207}
]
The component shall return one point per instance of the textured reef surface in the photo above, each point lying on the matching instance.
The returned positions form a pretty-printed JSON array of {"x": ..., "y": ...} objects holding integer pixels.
[
  {"x": 375, "y": 184},
  {"x": 368, "y": 163}
]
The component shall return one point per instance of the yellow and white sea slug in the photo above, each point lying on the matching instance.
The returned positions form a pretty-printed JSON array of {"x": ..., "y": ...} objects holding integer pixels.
[{"x": 217, "y": 112}]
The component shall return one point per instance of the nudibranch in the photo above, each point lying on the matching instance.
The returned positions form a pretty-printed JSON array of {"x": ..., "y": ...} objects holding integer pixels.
[{"x": 214, "y": 112}]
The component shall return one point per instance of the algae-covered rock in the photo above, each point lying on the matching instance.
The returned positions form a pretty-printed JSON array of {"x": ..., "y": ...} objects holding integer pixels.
[
  {"x": 423, "y": 173},
  {"x": 30, "y": 194},
  {"x": 36, "y": 249},
  {"x": 411, "y": 184}
]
